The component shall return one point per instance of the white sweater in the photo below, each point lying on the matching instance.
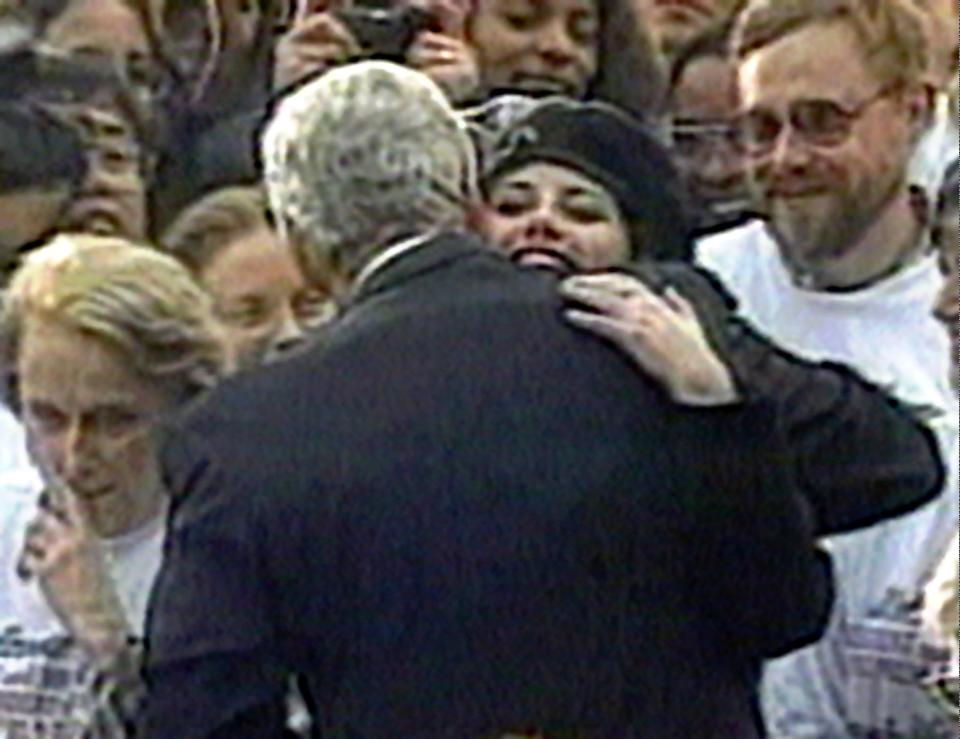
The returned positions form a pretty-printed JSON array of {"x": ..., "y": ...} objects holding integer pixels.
[{"x": 862, "y": 675}]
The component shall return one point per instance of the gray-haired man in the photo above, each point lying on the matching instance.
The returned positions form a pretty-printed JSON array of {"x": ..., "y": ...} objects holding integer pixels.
[{"x": 449, "y": 517}]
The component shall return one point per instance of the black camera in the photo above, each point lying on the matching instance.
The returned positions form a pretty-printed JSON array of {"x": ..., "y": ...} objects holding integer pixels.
[{"x": 384, "y": 33}]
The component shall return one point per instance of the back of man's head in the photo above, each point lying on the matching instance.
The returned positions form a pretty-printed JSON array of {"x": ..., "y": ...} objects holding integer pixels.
[{"x": 362, "y": 157}]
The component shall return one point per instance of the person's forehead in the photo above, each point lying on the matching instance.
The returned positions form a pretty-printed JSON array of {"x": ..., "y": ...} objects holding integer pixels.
[
  {"x": 541, "y": 173},
  {"x": 821, "y": 60},
  {"x": 61, "y": 364},
  {"x": 707, "y": 87}
]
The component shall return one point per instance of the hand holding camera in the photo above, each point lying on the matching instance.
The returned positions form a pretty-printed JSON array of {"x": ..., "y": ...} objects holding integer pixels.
[
  {"x": 428, "y": 36},
  {"x": 444, "y": 54},
  {"x": 316, "y": 42}
]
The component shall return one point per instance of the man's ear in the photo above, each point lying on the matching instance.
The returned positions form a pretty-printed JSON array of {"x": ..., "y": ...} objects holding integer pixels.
[
  {"x": 474, "y": 216},
  {"x": 920, "y": 104}
]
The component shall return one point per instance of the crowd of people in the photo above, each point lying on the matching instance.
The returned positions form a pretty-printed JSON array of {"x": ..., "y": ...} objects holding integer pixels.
[{"x": 479, "y": 368}]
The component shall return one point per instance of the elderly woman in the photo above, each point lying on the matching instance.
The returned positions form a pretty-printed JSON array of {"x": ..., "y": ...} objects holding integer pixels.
[
  {"x": 101, "y": 341},
  {"x": 583, "y": 188},
  {"x": 587, "y": 49},
  {"x": 228, "y": 242}
]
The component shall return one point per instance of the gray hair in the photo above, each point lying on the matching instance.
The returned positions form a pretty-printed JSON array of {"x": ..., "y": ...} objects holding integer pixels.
[
  {"x": 366, "y": 154},
  {"x": 142, "y": 302}
]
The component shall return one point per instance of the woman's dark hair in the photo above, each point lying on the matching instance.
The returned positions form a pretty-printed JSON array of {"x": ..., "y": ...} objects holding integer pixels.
[
  {"x": 949, "y": 193},
  {"x": 948, "y": 200},
  {"x": 162, "y": 18},
  {"x": 37, "y": 151},
  {"x": 630, "y": 71}
]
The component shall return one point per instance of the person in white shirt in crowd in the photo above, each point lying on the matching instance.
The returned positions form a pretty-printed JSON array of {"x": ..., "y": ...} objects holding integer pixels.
[
  {"x": 100, "y": 341},
  {"x": 942, "y": 139},
  {"x": 941, "y": 599},
  {"x": 834, "y": 100},
  {"x": 13, "y": 452}
]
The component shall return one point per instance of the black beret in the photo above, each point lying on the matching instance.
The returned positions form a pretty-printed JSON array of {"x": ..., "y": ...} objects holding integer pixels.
[{"x": 617, "y": 151}]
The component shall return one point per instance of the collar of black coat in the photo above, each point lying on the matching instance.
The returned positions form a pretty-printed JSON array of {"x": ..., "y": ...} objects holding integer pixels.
[{"x": 413, "y": 258}]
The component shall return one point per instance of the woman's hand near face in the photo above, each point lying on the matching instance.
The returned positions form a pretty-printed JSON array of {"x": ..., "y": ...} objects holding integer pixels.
[
  {"x": 662, "y": 335},
  {"x": 444, "y": 54},
  {"x": 315, "y": 43},
  {"x": 63, "y": 554}
]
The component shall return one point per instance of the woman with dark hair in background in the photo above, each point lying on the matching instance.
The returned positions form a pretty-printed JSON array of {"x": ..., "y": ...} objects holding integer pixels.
[{"x": 586, "y": 49}]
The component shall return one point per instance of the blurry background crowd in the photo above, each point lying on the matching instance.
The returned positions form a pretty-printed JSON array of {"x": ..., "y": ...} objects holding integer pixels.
[{"x": 803, "y": 151}]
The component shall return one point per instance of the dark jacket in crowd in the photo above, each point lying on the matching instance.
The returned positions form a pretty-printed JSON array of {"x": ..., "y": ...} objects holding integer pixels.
[
  {"x": 459, "y": 517},
  {"x": 861, "y": 456}
]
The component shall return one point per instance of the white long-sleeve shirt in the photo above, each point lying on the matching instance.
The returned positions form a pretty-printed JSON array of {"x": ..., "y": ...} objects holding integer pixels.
[{"x": 863, "y": 675}]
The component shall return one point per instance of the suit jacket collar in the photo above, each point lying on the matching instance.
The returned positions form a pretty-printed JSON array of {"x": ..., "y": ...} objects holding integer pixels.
[{"x": 433, "y": 253}]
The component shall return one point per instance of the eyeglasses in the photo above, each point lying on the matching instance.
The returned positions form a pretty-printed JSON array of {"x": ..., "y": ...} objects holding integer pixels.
[
  {"x": 692, "y": 140},
  {"x": 823, "y": 123}
]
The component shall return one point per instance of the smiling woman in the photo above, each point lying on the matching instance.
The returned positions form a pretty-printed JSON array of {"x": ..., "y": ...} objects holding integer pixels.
[
  {"x": 100, "y": 341},
  {"x": 585, "y": 49},
  {"x": 583, "y": 186}
]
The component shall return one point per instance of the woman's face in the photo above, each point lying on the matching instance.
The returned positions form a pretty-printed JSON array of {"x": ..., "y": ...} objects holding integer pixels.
[
  {"x": 112, "y": 200},
  {"x": 261, "y": 297},
  {"x": 536, "y": 46},
  {"x": 549, "y": 216},
  {"x": 90, "y": 417},
  {"x": 106, "y": 31}
]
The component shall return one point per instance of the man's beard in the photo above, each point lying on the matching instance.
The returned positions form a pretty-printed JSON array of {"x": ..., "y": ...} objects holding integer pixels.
[{"x": 829, "y": 225}]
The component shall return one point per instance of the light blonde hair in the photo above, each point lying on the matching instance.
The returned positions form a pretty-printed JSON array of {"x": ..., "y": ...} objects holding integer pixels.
[
  {"x": 892, "y": 32},
  {"x": 138, "y": 300}
]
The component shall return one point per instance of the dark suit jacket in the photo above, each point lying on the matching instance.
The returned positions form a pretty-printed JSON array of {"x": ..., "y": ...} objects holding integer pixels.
[{"x": 459, "y": 516}]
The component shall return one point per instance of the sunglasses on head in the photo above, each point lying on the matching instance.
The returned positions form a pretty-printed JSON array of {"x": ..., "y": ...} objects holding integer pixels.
[{"x": 819, "y": 122}]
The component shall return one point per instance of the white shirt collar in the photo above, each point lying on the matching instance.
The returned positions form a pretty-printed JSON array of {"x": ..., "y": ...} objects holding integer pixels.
[{"x": 388, "y": 255}]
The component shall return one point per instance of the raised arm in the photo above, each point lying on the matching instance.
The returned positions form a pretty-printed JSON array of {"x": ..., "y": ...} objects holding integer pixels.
[{"x": 861, "y": 457}]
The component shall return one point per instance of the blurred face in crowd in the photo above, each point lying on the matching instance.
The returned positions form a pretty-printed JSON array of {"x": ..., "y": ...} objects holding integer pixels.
[
  {"x": 549, "y": 216},
  {"x": 677, "y": 22},
  {"x": 27, "y": 216},
  {"x": 942, "y": 17},
  {"x": 827, "y": 141},
  {"x": 704, "y": 109},
  {"x": 105, "y": 30},
  {"x": 261, "y": 297},
  {"x": 536, "y": 46},
  {"x": 948, "y": 302},
  {"x": 90, "y": 417},
  {"x": 113, "y": 198}
]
